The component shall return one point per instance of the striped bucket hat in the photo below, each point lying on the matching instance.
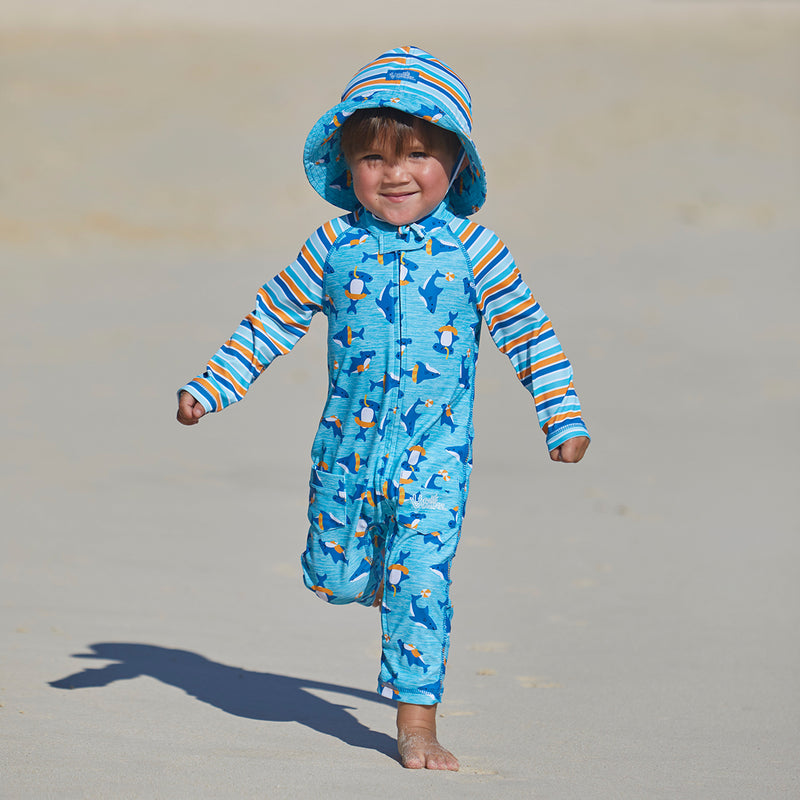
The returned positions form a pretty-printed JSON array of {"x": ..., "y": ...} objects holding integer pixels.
[{"x": 407, "y": 79}]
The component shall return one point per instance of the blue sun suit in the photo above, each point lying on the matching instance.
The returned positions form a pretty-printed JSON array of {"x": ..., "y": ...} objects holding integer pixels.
[{"x": 392, "y": 456}]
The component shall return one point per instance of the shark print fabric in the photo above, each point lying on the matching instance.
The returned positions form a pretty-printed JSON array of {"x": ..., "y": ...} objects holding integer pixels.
[{"x": 392, "y": 456}]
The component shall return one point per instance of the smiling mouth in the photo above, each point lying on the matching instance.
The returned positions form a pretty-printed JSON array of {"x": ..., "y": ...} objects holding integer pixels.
[{"x": 396, "y": 198}]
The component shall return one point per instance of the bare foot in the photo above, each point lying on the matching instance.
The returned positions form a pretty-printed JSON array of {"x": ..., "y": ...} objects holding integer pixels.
[{"x": 416, "y": 739}]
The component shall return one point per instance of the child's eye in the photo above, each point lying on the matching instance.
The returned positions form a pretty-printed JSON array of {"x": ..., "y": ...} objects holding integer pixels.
[
  {"x": 418, "y": 154},
  {"x": 371, "y": 157}
]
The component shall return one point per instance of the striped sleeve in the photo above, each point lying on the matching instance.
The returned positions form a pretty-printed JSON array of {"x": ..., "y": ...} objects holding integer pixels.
[
  {"x": 282, "y": 316},
  {"x": 521, "y": 330}
]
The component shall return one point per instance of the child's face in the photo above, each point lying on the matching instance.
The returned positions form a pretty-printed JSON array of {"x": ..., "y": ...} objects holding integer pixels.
[{"x": 400, "y": 189}]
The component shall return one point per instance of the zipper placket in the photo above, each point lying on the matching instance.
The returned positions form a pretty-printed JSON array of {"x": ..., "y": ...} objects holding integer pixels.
[{"x": 397, "y": 410}]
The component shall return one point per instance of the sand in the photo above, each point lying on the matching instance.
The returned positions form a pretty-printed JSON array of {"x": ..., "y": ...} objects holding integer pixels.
[{"x": 625, "y": 628}]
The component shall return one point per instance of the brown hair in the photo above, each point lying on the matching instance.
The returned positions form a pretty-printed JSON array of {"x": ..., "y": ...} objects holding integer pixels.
[{"x": 381, "y": 126}]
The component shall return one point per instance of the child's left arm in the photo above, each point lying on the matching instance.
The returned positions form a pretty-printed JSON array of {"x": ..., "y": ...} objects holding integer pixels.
[{"x": 522, "y": 331}]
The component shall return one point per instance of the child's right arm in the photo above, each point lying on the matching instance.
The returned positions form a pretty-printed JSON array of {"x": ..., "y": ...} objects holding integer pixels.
[{"x": 283, "y": 312}]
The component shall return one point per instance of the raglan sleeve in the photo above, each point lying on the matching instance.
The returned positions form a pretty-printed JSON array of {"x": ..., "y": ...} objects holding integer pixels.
[
  {"x": 282, "y": 315},
  {"x": 521, "y": 330}
]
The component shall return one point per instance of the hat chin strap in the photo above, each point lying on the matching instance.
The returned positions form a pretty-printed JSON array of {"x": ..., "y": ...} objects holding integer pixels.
[{"x": 456, "y": 169}]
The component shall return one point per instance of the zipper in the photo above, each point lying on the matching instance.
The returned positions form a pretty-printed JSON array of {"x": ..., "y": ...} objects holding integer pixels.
[{"x": 396, "y": 410}]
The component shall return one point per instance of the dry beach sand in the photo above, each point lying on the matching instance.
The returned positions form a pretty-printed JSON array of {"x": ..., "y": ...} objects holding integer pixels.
[{"x": 626, "y": 628}]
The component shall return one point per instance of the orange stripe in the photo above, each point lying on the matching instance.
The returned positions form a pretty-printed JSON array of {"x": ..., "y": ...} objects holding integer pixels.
[
  {"x": 561, "y": 418},
  {"x": 211, "y": 390},
  {"x": 519, "y": 308},
  {"x": 221, "y": 371},
  {"x": 296, "y": 290},
  {"x": 256, "y": 323},
  {"x": 550, "y": 395},
  {"x": 374, "y": 82},
  {"x": 489, "y": 256},
  {"x": 529, "y": 337},
  {"x": 545, "y": 362},
  {"x": 309, "y": 257},
  {"x": 243, "y": 351},
  {"x": 281, "y": 315},
  {"x": 448, "y": 90},
  {"x": 329, "y": 232}
]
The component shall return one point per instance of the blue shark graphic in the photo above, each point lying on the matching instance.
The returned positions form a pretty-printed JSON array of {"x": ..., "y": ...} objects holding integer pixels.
[
  {"x": 420, "y": 615},
  {"x": 441, "y": 569},
  {"x": 461, "y": 452},
  {"x": 398, "y": 572},
  {"x": 352, "y": 463},
  {"x": 421, "y": 372},
  {"x": 362, "y": 529},
  {"x": 387, "y": 382},
  {"x": 387, "y": 302},
  {"x": 326, "y": 521},
  {"x": 340, "y": 495},
  {"x": 429, "y": 291},
  {"x": 365, "y": 418},
  {"x": 320, "y": 590},
  {"x": 430, "y": 113},
  {"x": 435, "y": 246},
  {"x": 355, "y": 289},
  {"x": 433, "y": 481},
  {"x": 469, "y": 291},
  {"x": 333, "y": 550},
  {"x": 361, "y": 363},
  {"x": 346, "y": 336},
  {"x": 358, "y": 236},
  {"x": 333, "y": 424},
  {"x": 454, "y": 513},
  {"x": 412, "y": 654},
  {"x": 432, "y": 689},
  {"x": 339, "y": 393},
  {"x": 378, "y": 258},
  {"x": 411, "y": 520},
  {"x": 434, "y": 538},
  {"x": 403, "y": 343},
  {"x": 463, "y": 375},
  {"x": 409, "y": 419},
  {"x": 406, "y": 268},
  {"x": 447, "y": 335},
  {"x": 362, "y": 570},
  {"x": 447, "y": 417}
]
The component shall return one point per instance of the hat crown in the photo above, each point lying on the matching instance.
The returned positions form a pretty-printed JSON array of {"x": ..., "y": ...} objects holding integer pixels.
[{"x": 415, "y": 73}]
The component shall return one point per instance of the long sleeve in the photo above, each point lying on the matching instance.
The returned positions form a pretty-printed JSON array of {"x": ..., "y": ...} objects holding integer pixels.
[
  {"x": 521, "y": 330},
  {"x": 281, "y": 317}
]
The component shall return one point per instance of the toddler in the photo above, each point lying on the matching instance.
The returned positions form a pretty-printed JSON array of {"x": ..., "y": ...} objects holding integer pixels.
[{"x": 405, "y": 280}]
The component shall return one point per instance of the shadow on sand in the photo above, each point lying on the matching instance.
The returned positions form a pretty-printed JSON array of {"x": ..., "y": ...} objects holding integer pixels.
[{"x": 254, "y": 695}]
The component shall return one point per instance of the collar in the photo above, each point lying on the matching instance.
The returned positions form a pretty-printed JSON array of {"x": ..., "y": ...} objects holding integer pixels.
[{"x": 392, "y": 238}]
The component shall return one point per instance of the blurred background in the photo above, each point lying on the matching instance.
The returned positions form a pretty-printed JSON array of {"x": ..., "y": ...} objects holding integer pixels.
[{"x": 643, "y": 163}]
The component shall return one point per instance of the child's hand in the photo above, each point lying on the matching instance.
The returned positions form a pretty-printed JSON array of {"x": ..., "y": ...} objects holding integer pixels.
[
  {"x": 189, "y": 409},
  {"x": 571, "y": 451}
]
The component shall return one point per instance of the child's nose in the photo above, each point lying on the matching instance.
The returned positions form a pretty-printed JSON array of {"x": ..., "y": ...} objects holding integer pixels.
[{"x": 396, "y": 170}]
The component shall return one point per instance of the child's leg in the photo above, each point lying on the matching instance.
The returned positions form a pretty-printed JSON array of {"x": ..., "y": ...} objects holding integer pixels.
[
  {"x": 344, "y": 569},
  {"x": 416, "y": 612},
  {"x": 343, "y": 559},
  {"x": 415, "y": 616}
]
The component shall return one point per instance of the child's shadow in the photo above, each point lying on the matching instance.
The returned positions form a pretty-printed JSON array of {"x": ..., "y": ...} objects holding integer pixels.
[{"x": 254, "y": 695}]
